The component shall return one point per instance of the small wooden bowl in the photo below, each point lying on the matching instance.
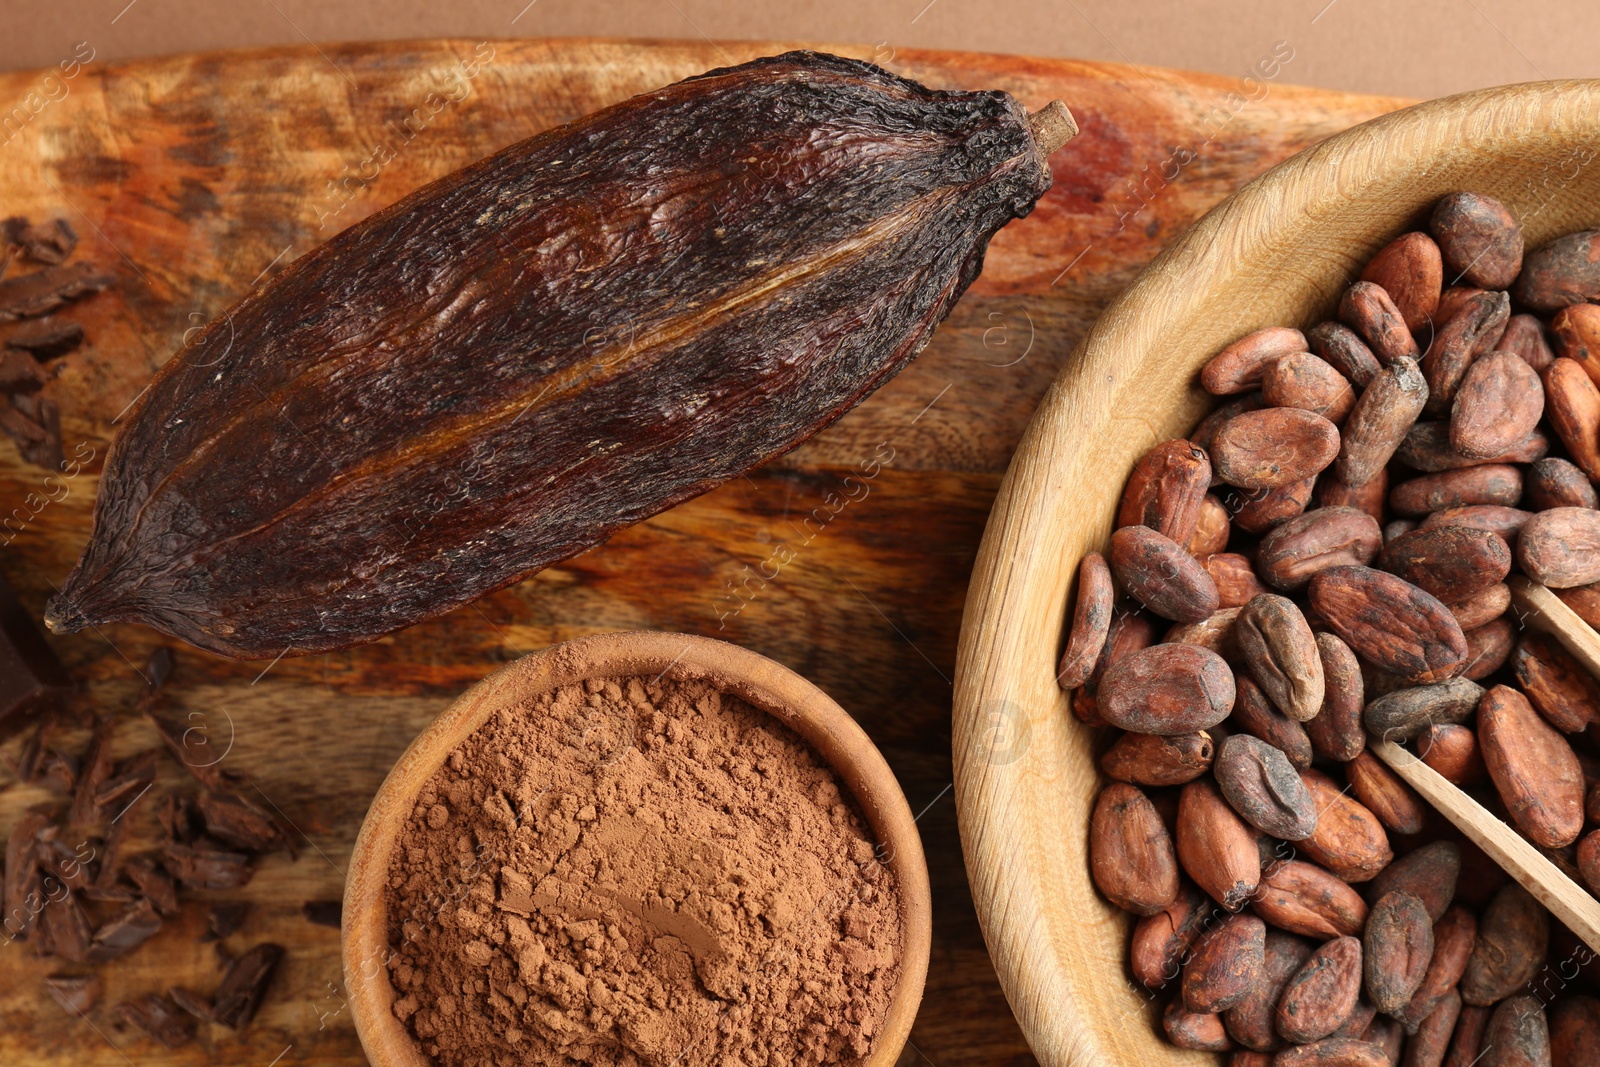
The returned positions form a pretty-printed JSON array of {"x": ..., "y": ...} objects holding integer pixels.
[
  {"x": 1280, "y": 251},
  {"x": 760, "y": 682}
]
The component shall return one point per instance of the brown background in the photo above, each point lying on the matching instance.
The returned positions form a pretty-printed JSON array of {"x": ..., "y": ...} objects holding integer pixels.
[{"x": 1414, "y": 48}]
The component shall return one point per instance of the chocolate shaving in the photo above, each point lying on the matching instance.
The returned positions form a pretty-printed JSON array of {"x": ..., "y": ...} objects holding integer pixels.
[
  {"x": 45, "y": 290},
  {"x": 193, "y": 1003},
  {"x": 67, "y": 927},
  {"x": 19, "y": 372},
  {"x": 26, "y": 763},
  {"x": 97, "y": 770},
  {"x": 136, "y": 924},
  {"x": 180, "y": 819},
  {"x": 74, "y": 865},
  {"x": 44, "y": 414},
  {"x": 57, "y": 766},
  {"x": 200, "y": 866},
  {"x": 155, "y": 883},
  {"x": 235, "y": 821},
  {"x": 324, "y": 912},
  {"x": 196, "y": 758},
  {"x": 45, "y": 339},
  {"x": 76, "y": 993},
  {"x": 23, "y": 882},
  {"x": 245, "y": 984},
  {"x": 160, "y": 1018},
  {"x": 47, "y": 242},
  {"x": 19, "y": 427},
  {"x": 133, "y": 776},
  {"x": 225, "y": 919}
]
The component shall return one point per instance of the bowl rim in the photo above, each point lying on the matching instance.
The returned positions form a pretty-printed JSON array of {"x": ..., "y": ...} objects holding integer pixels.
[
  {"x": 763, "y": 683},
  {"x": 1009, "y": 718}
]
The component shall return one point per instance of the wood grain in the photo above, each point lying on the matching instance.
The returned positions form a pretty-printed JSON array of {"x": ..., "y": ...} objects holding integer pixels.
[
  {"x": 1280, "y": 252},
  {"x": 1538, "y": 607},
  {"x": 191, "y": 177}
]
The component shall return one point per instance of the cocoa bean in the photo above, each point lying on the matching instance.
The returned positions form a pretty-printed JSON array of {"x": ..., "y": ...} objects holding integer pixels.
[
  {"x": 1451, "y": 562},
  {"x": 1489, "y": 483},
  {"x": 1465, "y": 336},
  {"x": 1211, "y": 530},
  {"x": 1302, "y": 380},
  {"x": 1239, "y": 367},
  {"x": 1322, "y": 994},
  {"x": 1281, "y": 652},
  {"x": 1273, "y": 447},
  {"x": 1482, "y": 607},
  {"x": 1588, "y": 861},
  {"x": 1558, "y": 483},
  {"x": 1397, "y": 947},
  {"x": 1385, "y": 794},
  {"x": 1410, "y": 270},
  {"x": 1166, "y": 489},
  {"x": 1302, "y": 898},
  {"x": 1466, "y": 1044},
  {"x": 1452, "y": 300},
  {"x": 1251, "y": 1021},
  {"x": 1201, "y": 1032},
  {"x": 1167, "y": 689},
  {"x": 1488, "y": 648},
  {"x": 1429, "y": 873},
  {"x": 1504, "y": 521},
  {"x": 1513, "y": 937},
  {"x": 1575, "y": 1032},
  {"x": 1160, "y": 574},
  {"x": 1216, "y": 848},
  {"x": 1349, "y": 841},
  {"x": 1576, "y": 335},
  {"x": 1257, "y": 779},
  {"x": 1225, "y": 965},
  {"x": 1427, "y": 448},
  {"x": 1533, "y": 768},
  {"x": 1150, "y": 759},
  {"x": 1334, "y": 1052},
  {"x": 1454, "y": 934},
  {"x": 1336, "y": 732},
  {"x": 1398, "y": 528},
  {"x": 1390, "y": 622},
  {"x": 1206, "y": 431},
  {"x": 1565, "y": 271},
  {"x": 1388, "y": 1035},
  {"x": 1525, "y": 336},
  {"x": 1561, "y": 547},
  {"x": 1480, "y": 240},
  {"x": 1572, "y": 403},
  {"x": 1259, "y": 510},
  {"x": 1518, "y": 1035},
  {"x": 1380, "y": 420},
  {"x": 1343, "y": 349},
  {"x": 1131, "y": 855},
  {"x": 1162, "y": 941},
  {"x": 1368, "y": 309},
  {"x": 1249, "y": 1059},
  {"x": 1215, "y": 632},
  {"x": 1333, "y": 493},
  {"x": 1091, "y": 622},
  {"x": 1235, "y": 579},
  {"x": 1085, "y": 708},
  {"x": 1557, "y": 686},
  {"x": 1432, "y": 1036},
  {"x": 1452, "y": 750},
  {"x": 1499, "y": 403},
  {"x": 1401, "y": 715},
  {"x": 1359, "y": 1025},
  {"x": 1315, "y": 541},
  {"x": 1584, "y": 600},
  {"x": 1131, "y": 631},
  {"x": 1258, "y": 717}
]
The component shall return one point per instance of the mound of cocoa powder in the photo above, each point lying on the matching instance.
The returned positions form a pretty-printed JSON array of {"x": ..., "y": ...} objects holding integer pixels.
[{"x": 640, "y": 871}]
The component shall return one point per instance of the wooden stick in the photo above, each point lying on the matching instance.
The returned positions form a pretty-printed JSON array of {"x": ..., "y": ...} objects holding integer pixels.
[{"x": 1052, "y": 126}]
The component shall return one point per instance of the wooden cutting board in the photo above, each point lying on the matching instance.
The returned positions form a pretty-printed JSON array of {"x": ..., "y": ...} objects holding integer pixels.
[{"x": 191, "y": 179}]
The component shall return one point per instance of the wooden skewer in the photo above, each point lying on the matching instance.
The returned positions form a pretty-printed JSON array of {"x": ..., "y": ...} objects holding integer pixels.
[{"x": 1570, "y": 902}]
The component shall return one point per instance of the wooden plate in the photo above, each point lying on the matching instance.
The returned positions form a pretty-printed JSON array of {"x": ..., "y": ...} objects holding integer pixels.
[{"x": 1279, "y": 251}]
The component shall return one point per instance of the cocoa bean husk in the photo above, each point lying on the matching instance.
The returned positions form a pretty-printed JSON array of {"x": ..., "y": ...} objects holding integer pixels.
[
  {"x": 1166, "y": 489},
  {"x": 1273, "y": 447},
  {"x": 1216, "y": 848},
  {"x": 1225, "y": 965},
  {"x": 1151, "y": 759},
  {"x": 1451, "y": 562},
  {"x": 1091, "y": 622},
  {"x": 1281, "y": 653},
  {"x": 1159, "y": 573},
  {"x": 1479, "y": 239},
  {"x": 1553, "y": 482},
  {"x": 1561, "y": 547},
  {"x": 1239, "y": 367},
  {"x": 1167, "y": 689},
  {"x": 1411, "y": 270},
  {"x": 1302, "y": 898}
]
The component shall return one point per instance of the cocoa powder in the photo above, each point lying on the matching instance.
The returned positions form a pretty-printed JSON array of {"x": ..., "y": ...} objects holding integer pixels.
[{"x": 639, "y": 872}]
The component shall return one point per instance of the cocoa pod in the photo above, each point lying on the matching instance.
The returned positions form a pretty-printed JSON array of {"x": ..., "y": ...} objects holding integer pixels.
[
  {"x": 1273, "y": 447},
  {"x": 1258, "y": 781},
  {"x": 1518, "y": 1034},
  {"x": 1160, "y": 574},
  {"x": 1488, "y": 648},
  {"x": 1215, "y": 632},
  {"x": 1206, "y": 431},
  {"x": 1498, "y": 404},
  {"x": 1431, "y": 1039},
  {"x": 1576, "y": 334},
  {"x": 1385, "y": 794},
  {"x": 1370, "y": 498},
  {"x": 1258, "y": 717},
  {"x": 1466, "y": 1044},
  {"x": 1575, "y": 1032},
  {"x": 1558, "y": 483},
  {"x": 1239, "y": 367},
  {"x": 1410, "y": 270},
  {"x": 1565, "y": 271},
  {"x": 1251, "y": 1022},
  {"x": 1167, "y": 689},
  {"x": 1452, "y": 750},
  {"x": 1404, "y": 713},
  {"x": 1451, "y": 562},
  {"x": 1454, "y": 934},
  {"x": 1490, "y": 483},
  {"x": 1368, "y": 309},
  {"x": 1525, "y": 336},
  {"x": 1302, "y": 898},
  {"x": 1513, "y": 938},
  {"x": 1557, "y": 686},
  {"x": 1494, "y": 518},
  {"x": 1465, "y": 336},
  {"x": 1343, "y": 349},
  {"x": 1482, "y": 607},
  {"x": 1349, "y": 841},
  {"x": 1302, "y": 380},
  {"x": 1131, "y": 855},
  {"x": 1235, "y": 579},
  {"x": 1091, "y": 622},
  {"x": 1429, "y": 873},
  {"x": 1584, "y": 600},
  {"x": 1427, "y": 448},
  {"x": 1384, "y": 413},
  {"x": 1216, "y": 848},
  {"x": 1390, "y": 622},
  {"x": 1572, "y": 403},
  {"x": 1322, "y": 994},
  {"x": 1561, "y": 547},
  {"x": 1165, "y": 490},
  {"x": 1161, "y": 941},
  {"x": 1281, "y": 652},
  {"x": 1588, "y": 861},
  {"x": 1211, "y": 530},
  {"x": 1225, "y": 965},
  {"x": 1259, "y": 510},
  {"x": 1480, "y": 240},
  {"x": 1328, "y": 537},
  {"x": 1202, "y": 1032},
  {"x": 1334, "y": 1052},
  {"x": 1397, "y": 947},
  {"x": 1533, "y": 768},
  {"x": 1336, "y": 732},
  {"x": 1150, "y": 759}
]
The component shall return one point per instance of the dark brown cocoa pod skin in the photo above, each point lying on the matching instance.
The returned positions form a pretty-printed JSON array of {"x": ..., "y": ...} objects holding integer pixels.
[
  {"x": 1557, "y": 483},
  {"x": 1498, "y": 404},
  {"x": 1167, "y": 689},
  {"x": 1411, "y": 270},
  {"x": 1251, "y": 1021},
  {"x": 1336, "y": 732},
  {"x": 1165, "y": 490},
  {"x": 1159, "y": 573},
  {"x": 1466, "y": 335},
  {"x": 512, "y": 363},
  {"x": 1534, "y": 769},
  {"x": 1343, "y": 349},
  {"x": 1479, "y": 240},
  {"x": 1130, "y": 851},
  {"x": 1513, "y": 937},
  {"x": 1518, "y": 1034},
  {"x": 1328, "y": 537},
  {"x": 1454, "y": 934},
  {"x": 1380, "y": 421},
  {"x": 1322, "y": 994},
  {"x": 1091, "y": 622},
  {"x": 1491, "y": 483},
  {"x": 1225, "y": 964},
  {"x": 1525, "y": 336},
  {"x": 1370, "y": 311},
  {"x": 1565, "y": 271},
  {"x": 1427, "y": 448},
  {"x": 1575, "y": 1032},
  {"x": 1302, "y": 898},
  {"x": 1557, "y": 686},
  {"x": 1390, "y": 622},
  {"x": 1396, "y": 947},
  {"x": 1451, "y": 562},
  {"x": 1261, "y": 785},
  {"x": 1151, "y": 759},
  {"x": 1162, "y": 941},
  {"x": 1429, "y": 873},
  {"x": 1256, "y": 715}
]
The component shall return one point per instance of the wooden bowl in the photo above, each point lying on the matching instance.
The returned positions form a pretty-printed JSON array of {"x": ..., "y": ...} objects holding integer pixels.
[
  {"x": 1280, "y": 251},
  {"x": 760, "y": 682}
]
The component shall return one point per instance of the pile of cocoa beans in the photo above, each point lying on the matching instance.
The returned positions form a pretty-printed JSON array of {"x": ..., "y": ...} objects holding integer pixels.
[{"x": 1325, "y": 561}]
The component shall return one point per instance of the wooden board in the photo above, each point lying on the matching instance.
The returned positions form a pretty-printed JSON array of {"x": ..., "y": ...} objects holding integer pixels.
[{"x": 191, "y": 178}]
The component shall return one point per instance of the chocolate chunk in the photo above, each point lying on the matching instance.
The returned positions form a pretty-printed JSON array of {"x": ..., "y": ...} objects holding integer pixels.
[
  {"x": 19, "y": 372},
  {"x": 200, "y": 866},
  {"x": 160, "y": 1018},
  {"x": 45, "y": 338},
  {"x": 46, "y": 242},
  {"x": 191, "y": 748},
  {"x": 158, "y": 668},
  {"x": 58, "y": 767},
  {"x": 73, "y": 864},
  {"x": 136, "y": 924},
  {"x": 245, "y": 984},
  {"x": 225, "y": 919},
  {"x": 76, "y": 993},
  {"x": 155, "y": 883},
  {"x": 24, "y": 883},
  {"x": 97, "y": 771},
  {"x": 32, "y": 679},
  {"x": 46, "y": 450},
  {"x": 236, "y": 821},
  {"x": 180, "y": 819},
  {"x": 42, "y": 291},
  {"x": 67, "y": 926},
  {"x": 127, "y": 783},
  {"x": 193, "y": 1003},
  {"x": 324, "y": 912}
]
